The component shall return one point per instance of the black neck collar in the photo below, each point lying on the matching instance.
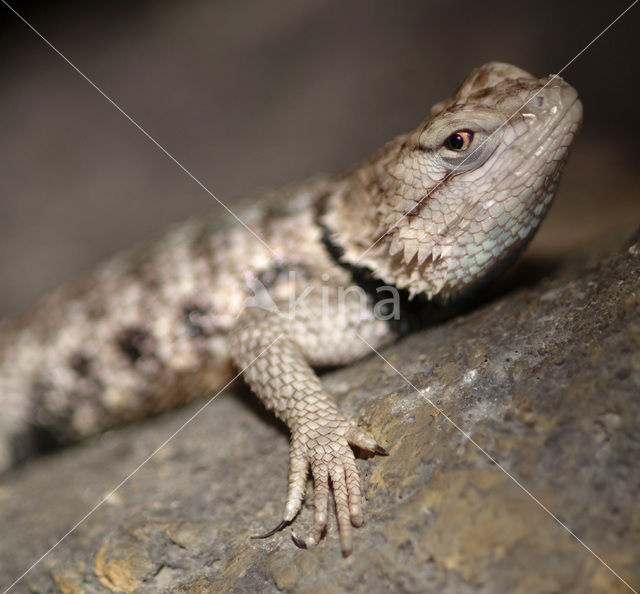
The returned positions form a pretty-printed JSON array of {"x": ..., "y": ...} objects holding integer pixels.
[
  {"x": 364, "y": 277},
  {"x": 361, "y": 275}
]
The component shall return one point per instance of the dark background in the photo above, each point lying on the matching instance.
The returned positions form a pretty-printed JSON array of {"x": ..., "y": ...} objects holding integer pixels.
[{"x": 253, "y": 94}]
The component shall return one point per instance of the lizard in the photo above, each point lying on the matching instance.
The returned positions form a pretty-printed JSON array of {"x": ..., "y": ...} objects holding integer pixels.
[{"x": 434, "y": 213}]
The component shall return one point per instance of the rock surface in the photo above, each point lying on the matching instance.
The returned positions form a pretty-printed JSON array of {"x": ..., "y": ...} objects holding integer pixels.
[{"x": 543, "y": 385}]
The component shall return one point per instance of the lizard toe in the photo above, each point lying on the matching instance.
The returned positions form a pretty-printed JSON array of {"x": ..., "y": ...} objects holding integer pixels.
[{"x": 359, "y": 438}]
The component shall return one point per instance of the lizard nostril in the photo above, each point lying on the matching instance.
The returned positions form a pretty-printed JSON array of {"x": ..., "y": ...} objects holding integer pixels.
[{"x": 539, "y": 101}]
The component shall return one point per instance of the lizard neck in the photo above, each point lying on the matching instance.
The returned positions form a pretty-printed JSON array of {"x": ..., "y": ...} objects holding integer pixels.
[
  {"x": 355, "y": 218},
  {"x": 402, "y": 316},
  {"x": 363, "y": 276}
]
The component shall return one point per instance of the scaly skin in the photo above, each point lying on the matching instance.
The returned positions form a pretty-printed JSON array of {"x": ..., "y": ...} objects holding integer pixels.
[{"x": 436, "y": 211}]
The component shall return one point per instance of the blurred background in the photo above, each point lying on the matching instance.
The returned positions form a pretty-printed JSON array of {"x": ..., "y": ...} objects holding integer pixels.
[{"x": 253, "y": 94}]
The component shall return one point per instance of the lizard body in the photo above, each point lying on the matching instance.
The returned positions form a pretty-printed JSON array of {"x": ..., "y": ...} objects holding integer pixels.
[{"x": 434, "y": 212}]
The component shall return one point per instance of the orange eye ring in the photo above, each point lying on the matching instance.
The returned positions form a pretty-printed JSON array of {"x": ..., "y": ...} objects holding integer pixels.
[{"x": 459, "y": 140}]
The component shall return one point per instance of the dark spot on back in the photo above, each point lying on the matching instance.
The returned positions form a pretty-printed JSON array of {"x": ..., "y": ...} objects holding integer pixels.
[
  {"x": 198, "y": 320},
  {"x": 135, "y": 343},
  {"x": 81, "y": 364}
]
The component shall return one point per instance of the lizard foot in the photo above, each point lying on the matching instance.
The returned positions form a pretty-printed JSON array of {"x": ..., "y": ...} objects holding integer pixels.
[{"x": 326, "y": 449}]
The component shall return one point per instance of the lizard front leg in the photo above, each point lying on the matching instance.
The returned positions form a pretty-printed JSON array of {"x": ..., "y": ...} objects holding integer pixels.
[{"x": 323, "y": 332}]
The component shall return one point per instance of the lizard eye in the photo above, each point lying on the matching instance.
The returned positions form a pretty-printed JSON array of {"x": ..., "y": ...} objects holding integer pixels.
[
  {"x": 459, "y": 141},
  {"x": 463, "y": 149}
]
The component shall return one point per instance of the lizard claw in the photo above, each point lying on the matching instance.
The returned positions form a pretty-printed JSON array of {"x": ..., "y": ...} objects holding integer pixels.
[
  {"x": 358, "y": 438},
  {"x": 380, "y": 451},
  {"x": 301, "y": 543},
  {"x": 279, "y": 527}
]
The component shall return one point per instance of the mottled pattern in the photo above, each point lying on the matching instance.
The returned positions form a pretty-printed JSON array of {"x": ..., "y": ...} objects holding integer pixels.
[
  {"x": 435, "y": 211},
  {"x": 148, "y": 329}
]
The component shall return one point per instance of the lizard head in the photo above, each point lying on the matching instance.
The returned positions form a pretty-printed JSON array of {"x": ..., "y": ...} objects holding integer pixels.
[{"x": 454, "y": 200}]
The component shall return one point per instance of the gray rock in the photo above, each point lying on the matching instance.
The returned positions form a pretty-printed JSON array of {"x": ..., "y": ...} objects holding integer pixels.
[{"x": 524, "y": 407}]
